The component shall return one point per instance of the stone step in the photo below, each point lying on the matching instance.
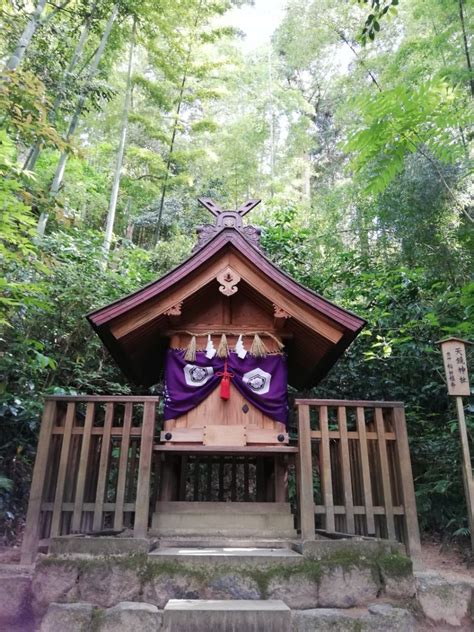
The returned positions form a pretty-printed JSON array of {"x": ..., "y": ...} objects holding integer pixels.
[
  {"x": 237, "y": 532},
  {"x": 196, "y": 615},
  {"x": 220, "y": 508},
  {"x": 254, "y": 522},
  {"x": 176, "y": 541},
  {"x": 228, "y": 556}
]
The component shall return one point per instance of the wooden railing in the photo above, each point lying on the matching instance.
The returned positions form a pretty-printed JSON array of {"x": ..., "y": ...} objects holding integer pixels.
[
  {"x": 354, "y": 471},
  {"x": 92, "y": 469}
]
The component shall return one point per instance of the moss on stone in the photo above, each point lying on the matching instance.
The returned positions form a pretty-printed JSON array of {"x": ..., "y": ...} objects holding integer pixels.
[
  {"x": 395, "y": 565},
  {"x": 381, "y": 564},
  {"x": 97, "y": 618}
]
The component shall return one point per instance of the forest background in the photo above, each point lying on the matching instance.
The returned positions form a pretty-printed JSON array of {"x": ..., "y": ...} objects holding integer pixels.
[{"x": 352, "y": 125}]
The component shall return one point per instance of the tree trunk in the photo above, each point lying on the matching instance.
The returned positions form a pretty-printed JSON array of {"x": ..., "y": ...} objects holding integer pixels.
[
  {"x": 25, "y": 37},
  {"x": 59, "y": 174},
  {"x": 120, "y": 154},
  {"x": 34, "y": 154},
  {"x": 466, "y": 47}
]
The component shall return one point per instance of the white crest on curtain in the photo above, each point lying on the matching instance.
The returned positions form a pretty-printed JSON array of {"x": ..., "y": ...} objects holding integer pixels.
[
  {"x": 197, "y": 375},
  {"x": 257, "y": 380}
]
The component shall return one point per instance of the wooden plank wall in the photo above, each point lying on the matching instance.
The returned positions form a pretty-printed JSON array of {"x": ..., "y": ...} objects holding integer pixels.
[
  {"x": 93, "y": 467},
  {"x": 355, "y": 456}
]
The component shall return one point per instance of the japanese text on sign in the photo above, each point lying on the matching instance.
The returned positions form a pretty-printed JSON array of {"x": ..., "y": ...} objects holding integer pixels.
[{"x": 455, "y": 365}]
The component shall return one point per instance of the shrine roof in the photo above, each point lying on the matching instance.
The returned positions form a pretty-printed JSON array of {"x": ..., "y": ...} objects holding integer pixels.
[{"x": 318, "y": 331}]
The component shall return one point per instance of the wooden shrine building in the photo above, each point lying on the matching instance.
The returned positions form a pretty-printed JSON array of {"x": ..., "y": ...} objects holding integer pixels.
[{"x": 227, "y": 332}]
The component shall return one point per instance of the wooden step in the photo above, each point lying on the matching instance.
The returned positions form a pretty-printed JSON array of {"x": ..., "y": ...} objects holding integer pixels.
[
  {"x": 234, "y": 533},
  {"x": 222, "y": 507}
]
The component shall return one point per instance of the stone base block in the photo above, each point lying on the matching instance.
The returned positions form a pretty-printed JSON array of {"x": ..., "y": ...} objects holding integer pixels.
[
  {"x": 70, "y": 617},
  {"x": 15, "y": 598},
  {"x": 377, "y": 618},
  {"x": 128, "y": 615},
  {"x": 89, "y": 545},
  {"x": 226, "y": 616},
  {"x": 445, "y": 600}
]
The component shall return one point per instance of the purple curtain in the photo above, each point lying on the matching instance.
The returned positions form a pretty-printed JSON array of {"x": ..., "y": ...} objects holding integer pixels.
[{"x": 262, "y": 381}]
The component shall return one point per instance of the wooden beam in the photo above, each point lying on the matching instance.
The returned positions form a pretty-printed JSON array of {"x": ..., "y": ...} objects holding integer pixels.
[
  {"x": 366, "y": 484},
  {"x": 31, "y": 535},
  {"x": 247, "y": 207},
  {"x": 386, "y": 486},
  {"x": 103, "y": 467},
  {"x": 348, "y": 403},
  {"x": 326, "y": 475},
  {"x": 83, "y": 461},
  {"x": 210, "y": 205},
  {"x": 144, "y": 471},
  {"x": 63, "y": 466},
  {"x": 408, "y": 488},
  {"x": 305, "y": 475}
]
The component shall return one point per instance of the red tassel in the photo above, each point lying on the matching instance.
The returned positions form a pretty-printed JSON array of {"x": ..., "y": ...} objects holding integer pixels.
[
  {"x": 225, "y": 387},
  {"x": 225, "y": 382}
]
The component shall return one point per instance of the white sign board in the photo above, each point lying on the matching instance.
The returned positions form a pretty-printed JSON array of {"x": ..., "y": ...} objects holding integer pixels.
[{"x": 455, "y": 365}]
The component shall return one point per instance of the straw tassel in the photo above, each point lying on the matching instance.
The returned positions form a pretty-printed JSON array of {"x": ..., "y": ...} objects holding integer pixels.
[
  {"x": 258, "y": 348},
  {"x": 223, "y": 348},
  {"x": 190, "y": 355}
]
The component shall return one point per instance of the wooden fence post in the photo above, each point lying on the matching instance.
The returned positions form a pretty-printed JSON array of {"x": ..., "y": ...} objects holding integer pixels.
[
  {"x": 305, "y": 475},
  {"x": 31, "y": 535},
  {"x": 408, "y": 488},
  {"x": 142, "y": 506}
]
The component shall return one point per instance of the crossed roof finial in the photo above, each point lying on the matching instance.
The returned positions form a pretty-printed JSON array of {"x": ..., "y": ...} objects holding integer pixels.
[
  {"x": 227, "y": 219},
  {"x": 216, "y": 210}
]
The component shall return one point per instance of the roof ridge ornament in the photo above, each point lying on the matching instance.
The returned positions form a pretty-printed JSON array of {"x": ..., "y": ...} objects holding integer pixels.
[{"x": 226, "y": 218}]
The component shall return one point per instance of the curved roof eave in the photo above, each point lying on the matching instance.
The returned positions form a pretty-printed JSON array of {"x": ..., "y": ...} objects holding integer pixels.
[{"x": 347, "y": 319}]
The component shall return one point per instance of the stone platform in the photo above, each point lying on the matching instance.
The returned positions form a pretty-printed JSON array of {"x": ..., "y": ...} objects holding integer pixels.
[{"x": 327, "y": 585}]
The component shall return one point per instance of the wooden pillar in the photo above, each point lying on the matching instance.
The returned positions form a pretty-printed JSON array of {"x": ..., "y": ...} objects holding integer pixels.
[
  {"x": 281, "y": 478},
  {"x": 260, "y": 475},
  {"x": 466, "y": 468},
  {"x": 169, "y": 477},
  {"x": 142, "y": 506},
  {"x": 408, "y": 488},
  {"x": 269, "y": 477},
  {"x": 30, "y": 538},
  {"x": 304, "y": 472}
]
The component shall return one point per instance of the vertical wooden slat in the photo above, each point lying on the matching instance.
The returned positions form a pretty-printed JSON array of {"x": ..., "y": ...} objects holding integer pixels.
[
  {"x": 281, "y": 479},
  {"x": 103, "y": 465},
  {"x": 246, "y": 479},
  {"x": 408, "y": 489},
  {"x": 326, "y": 476},
  {"x": 63, "y": 466},
  {"x": 30, "y": 537},
  {"x": 305, "y": 474},
  {"x": 183, "y": 477},
  {"x": 260, "y": 474},
  {"x": 123, "y": 463},
  {"x": 209, "y": 480},
  {"x": 142, "y": 507},
  {"x": 387, "y": 491},
  {"x": 346, "y": 469},
  {"x": 221, "y": 479},
  {"x": 233, "y": 489},
  {"x": 83, "y": 462},
  {"x": 197, "y": 473},
  {"x": 364, "y": 455}
]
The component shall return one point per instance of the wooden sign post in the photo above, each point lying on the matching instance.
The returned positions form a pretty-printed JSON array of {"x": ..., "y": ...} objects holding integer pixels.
[{"x": 455, "y": 365}]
